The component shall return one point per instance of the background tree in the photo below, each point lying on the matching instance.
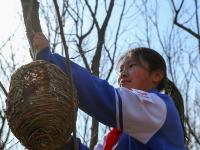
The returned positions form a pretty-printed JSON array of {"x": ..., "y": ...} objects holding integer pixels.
[
  {"x": 98, "y": 31},
  {"x": 186, "y": 18},
  {"x": 181, "y": 52},
  {"x": 7, "y": 65}
]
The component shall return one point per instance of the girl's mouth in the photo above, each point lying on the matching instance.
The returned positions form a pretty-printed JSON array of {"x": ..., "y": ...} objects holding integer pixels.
[{"x": 124, "y": 82}]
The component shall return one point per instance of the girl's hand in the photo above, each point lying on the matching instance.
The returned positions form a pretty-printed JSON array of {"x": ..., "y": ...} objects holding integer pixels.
[{"x": 40, "y": 41}]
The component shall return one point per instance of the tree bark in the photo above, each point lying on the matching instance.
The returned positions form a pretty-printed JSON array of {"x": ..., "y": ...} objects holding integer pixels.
[{"x": 31, "y": 19}]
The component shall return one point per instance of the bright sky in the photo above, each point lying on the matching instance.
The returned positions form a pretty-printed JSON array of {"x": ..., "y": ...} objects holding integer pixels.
[
  {"x": 12, "y": 22},
  {"x": 9, "y": 16}
]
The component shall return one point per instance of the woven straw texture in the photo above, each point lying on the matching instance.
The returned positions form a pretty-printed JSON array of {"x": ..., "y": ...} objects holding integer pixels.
[{"x": 40, "y": 108}]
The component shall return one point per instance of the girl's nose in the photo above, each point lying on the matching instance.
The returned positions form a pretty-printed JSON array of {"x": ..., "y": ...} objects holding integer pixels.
[{"x": 124, "y": 74}]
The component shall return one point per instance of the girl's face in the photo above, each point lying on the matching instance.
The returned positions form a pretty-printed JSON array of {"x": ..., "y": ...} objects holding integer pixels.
[{"x": 135, "y": 75}]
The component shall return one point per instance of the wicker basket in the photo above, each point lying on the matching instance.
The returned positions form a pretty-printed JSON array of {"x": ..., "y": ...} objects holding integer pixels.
[{"x": 39, "y": 108}]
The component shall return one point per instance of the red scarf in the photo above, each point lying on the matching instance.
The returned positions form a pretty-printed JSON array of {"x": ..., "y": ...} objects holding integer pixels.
[{"x": 112, "y": 138}]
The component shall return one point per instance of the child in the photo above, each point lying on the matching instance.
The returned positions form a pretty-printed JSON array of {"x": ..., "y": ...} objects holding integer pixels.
[{"x": 141, "y": 117}]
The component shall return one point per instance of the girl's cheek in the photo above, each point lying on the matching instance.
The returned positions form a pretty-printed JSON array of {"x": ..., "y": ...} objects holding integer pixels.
[{"x": 130, "y": 71}]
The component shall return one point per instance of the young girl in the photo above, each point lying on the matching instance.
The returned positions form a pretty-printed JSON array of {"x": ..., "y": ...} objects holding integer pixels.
[{"x": 142, "y": 118}]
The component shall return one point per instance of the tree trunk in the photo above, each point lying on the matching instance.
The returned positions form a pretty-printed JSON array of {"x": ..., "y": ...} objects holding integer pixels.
[
  {"x": 31, "y": 19},
  {"x": 94, "y": 133}
]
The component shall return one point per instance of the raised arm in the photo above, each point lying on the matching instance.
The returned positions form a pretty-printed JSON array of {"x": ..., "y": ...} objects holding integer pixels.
[{"x": 139, "y": 115}]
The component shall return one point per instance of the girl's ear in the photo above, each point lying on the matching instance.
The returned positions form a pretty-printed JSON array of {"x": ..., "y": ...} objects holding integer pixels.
[{"x": 157, "y": 75}]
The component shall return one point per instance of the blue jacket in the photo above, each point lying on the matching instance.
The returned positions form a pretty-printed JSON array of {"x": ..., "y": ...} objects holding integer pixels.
[{"x": 148, "y": 120}]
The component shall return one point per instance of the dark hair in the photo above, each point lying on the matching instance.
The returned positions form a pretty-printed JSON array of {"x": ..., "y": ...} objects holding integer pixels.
[{"x": 154, "y": 60}]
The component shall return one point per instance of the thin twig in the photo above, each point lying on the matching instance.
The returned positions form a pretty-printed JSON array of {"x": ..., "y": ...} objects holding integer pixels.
[
  {"x": 68, "y": 66},
  {"x": 3, "y": 88}
]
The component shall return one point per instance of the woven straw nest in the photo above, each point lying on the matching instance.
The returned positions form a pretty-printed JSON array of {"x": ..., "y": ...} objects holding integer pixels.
[{"x": 40, "y": 108}]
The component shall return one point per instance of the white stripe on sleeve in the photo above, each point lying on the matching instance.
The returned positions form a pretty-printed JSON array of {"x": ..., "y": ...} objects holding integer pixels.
[
  {"x": 117, "y": 110},
  {"x": 143, "y": 113}
]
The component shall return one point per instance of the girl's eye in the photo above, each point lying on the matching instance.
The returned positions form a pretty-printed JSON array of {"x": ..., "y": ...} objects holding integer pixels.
[{"x": 131, "y": 65}]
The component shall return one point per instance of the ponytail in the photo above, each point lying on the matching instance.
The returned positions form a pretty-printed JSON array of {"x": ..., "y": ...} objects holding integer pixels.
[{"x": 171, "y": 90}]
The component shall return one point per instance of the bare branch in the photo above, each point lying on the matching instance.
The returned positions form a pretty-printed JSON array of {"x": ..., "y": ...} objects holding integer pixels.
[
  {"x": 3, "y": 88},
  {"x": 68, "y": 68},
  {"x": 101, "y": 37},
  {"x": 181, "y": 25},
  {"x": 112, "y": 60},
  {"x": 193, "y": 133},
  {"x": 31, "y": 20},
  {"x": 93, "y": 14}
]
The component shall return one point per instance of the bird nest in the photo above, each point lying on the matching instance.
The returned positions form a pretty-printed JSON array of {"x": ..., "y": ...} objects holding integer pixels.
[{"x": 40, "y": 108}]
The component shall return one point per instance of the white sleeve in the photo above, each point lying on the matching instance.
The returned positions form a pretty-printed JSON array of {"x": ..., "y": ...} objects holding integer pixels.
[
  {"x": 142, "y": 113},
  {"x": 100, "y": 145}
]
